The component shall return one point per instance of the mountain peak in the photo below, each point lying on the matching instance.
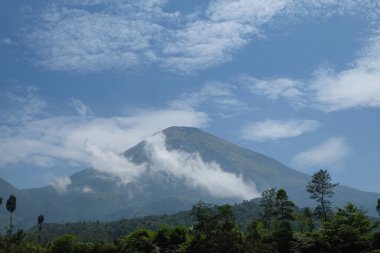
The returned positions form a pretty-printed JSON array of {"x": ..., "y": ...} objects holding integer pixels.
[{"x": 183, "y": 129}]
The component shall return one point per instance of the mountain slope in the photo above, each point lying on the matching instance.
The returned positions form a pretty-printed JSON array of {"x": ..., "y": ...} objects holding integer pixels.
[{"x": 166, "y": 187}]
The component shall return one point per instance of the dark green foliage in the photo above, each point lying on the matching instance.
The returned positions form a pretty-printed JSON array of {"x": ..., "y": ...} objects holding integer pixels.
[
  {"x": 284, "y": 207},
  {"x": 376, "y": 240},
  {"x": 63, "y": 244},
  {"x": 109, "y": 231},
  {"x": 256, "y": 239},
  {"x": 170, "y": 239},
  {"x": 377, "y": 206},
  {"x": 321, "y": 189},
  {"x": 215, "y": 230},
  {"x": 307, "y": 213},
  {"x": 11, "y": 203},
  {"x": 139, "y": 241},
  {"x": 26, "y": 248},
  {"x": 95, "y": 248},
  {"x": 308, "y": 243},
  {"x": 285, "y": 214},
  {"x": 348, "y": 231}
]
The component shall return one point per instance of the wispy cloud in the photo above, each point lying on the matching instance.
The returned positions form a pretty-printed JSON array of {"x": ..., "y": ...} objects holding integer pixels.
[
  {"x": 274, "y": 89},
  {"x": 82, "y": 109},
  {"x": 191, "y": 168},
  {"x": 275, "y": 129},
  {"x": 22, "y": 103},
  {"x": 212, "y": 94},
  {"x": 329, "y": 153},
  {"x": 104, "y": 35},
  {"x": 6, "y": 41}
]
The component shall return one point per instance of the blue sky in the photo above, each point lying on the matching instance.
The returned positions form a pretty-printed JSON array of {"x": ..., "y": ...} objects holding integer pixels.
[{"x": 298, "y": 81}]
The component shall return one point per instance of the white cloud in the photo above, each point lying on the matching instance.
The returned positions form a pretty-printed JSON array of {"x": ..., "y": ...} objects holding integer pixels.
[
  {"x": 275, "y": 129},
  {"x": 82, "y": 109},
  {"x": 60, "y": 184},
  {"x": 328, "y": 90},
  {"x": 190, "y": 167},
  {"x": 355, "y": 87},
  {"x": 329, "y": 153},
  {"x": 104, "y": 35},
  {"x": 114, "y": 165}
]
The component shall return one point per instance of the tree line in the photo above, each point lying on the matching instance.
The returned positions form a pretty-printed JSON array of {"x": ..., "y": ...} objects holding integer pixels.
[{"x": 281, "y": 227}]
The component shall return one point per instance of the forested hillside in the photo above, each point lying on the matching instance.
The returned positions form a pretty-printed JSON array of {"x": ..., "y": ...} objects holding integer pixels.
[{"x": 271, "y": 224}]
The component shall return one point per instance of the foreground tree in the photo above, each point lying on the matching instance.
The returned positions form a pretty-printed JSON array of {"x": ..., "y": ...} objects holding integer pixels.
[
  {"x": 285, "y": 214},
  {"x": 169, "y": 239},
  {"x": 11, "y": 207},
  {"x": 215, "y": 230},
  {"x": 321, "y": 189},
  {"x": 349, "y": 231},
  {"x": 377, "y": 206}
]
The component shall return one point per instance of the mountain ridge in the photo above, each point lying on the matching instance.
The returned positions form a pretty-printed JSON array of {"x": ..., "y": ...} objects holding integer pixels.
[{"x": 164, "y": 193}]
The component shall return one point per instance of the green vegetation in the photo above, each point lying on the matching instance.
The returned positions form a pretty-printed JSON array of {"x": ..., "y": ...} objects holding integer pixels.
[
  {"x": 274, "y": 224},
  {"x": 321, "y": 189}
]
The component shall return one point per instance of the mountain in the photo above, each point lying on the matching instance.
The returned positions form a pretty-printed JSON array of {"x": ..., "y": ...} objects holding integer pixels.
[{"x": 167, "y": 186}]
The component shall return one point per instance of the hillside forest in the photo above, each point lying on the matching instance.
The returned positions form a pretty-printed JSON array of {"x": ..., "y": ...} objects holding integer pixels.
[{"x": 270, "y": 224}]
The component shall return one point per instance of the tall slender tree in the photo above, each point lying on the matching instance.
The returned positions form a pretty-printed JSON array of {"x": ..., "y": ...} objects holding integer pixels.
[
  {"x": 284, "y": 215},
  {"x": 11, "y": 207},
  {"x": 267, "y": 204},
  {"x": 40, "y": 220},
  {"x": 1, "y": 201},
  {"x": 321, "y": 189},
  {"x": 377, "y": 207}
]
